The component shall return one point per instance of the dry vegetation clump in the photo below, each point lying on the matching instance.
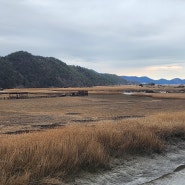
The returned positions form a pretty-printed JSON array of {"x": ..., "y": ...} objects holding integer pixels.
[
  {"x": 162, "y": 95},
  {"x": 128, "y": 137},
  {"x": 29, "y": 157},
  {"x": 167, "y": 125},
  {"x": 62, "y": 152},
  {"x": 169, "y": 95}
]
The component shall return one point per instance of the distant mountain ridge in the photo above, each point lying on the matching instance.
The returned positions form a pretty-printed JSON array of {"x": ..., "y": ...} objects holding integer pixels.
[
  {"x": 22, "y": 69},
  {"x": 146, "y": 80}
]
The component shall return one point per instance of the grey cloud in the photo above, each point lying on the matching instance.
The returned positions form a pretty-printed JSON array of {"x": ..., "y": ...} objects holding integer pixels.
[{"x": 120, "y": 32}]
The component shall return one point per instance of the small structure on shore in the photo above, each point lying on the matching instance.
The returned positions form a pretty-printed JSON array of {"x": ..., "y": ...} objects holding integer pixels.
[
  {"x": 80, "y": 93},
  {"x": 18, "y": 95}
]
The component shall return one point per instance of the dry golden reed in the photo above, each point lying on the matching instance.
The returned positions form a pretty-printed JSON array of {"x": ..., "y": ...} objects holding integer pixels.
[{"x": 28, "y": 158}]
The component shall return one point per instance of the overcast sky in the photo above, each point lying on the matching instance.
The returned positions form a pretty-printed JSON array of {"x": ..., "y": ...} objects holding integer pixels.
[{"x": 123, "y": 37}]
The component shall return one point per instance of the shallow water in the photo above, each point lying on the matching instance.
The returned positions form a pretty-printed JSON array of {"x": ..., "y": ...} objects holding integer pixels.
[{"x": 141, "y": 170}]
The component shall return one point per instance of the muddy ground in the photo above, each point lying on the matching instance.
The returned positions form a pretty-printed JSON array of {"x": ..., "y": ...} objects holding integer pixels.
[
  {"x": 27, "y": 115},
  {"x": 167, "y": 168}
]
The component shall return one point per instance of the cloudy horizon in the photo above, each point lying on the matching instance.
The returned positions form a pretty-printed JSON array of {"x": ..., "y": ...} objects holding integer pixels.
[{"x": 123, "y": 37}]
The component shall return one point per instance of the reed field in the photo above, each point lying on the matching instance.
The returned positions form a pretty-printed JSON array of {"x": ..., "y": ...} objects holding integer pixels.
[{"x": 51, "y": 140}]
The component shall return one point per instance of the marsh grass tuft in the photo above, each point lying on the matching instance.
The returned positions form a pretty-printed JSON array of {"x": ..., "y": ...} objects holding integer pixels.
[{"x": 62, "y": 152}]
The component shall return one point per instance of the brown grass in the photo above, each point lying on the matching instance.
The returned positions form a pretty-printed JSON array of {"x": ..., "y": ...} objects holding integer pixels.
[
  {"x": 31, "y": 114},
  {"x": 167, "y": 125},
  {"x": 162, "y": 95},
  {"x": 59, "y": 153}
]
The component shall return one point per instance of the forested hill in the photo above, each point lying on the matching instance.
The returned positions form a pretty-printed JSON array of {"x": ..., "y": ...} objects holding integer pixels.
[{"x": 22, "y": 69}]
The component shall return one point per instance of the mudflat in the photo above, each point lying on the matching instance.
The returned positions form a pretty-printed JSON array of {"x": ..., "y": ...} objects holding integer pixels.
[{"x": 25, "y": 115}]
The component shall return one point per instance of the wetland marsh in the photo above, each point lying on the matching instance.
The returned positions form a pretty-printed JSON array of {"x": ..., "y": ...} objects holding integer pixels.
[{"x": 58, "y": 139}]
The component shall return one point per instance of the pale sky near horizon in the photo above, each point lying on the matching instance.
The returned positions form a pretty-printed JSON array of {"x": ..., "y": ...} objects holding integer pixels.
[{"x": 123, "y": 37}]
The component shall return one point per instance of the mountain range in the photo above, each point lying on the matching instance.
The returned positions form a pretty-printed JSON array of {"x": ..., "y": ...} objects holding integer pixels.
[
  {"x": 146, "y": 80},
  {"x": 22, "y": 69}
]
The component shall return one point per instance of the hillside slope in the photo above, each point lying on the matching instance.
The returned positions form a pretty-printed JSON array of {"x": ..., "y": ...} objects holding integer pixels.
[{"x": 22, "y": 69}]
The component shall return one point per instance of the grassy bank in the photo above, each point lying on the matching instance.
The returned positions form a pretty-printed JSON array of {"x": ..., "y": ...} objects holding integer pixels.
[{"x": 29, "y": 158}]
